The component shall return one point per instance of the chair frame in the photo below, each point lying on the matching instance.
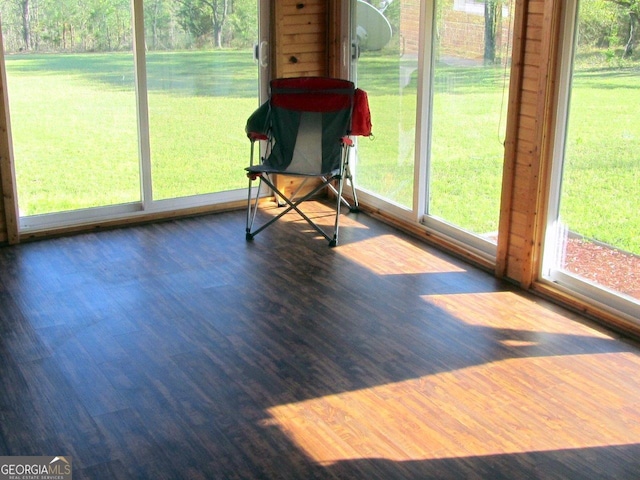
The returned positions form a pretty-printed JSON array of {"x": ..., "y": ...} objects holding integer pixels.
[{"x": 293, "y": 202}]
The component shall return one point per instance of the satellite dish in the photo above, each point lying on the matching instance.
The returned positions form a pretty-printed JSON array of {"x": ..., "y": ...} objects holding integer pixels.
[{"x": 373, "y": 30}]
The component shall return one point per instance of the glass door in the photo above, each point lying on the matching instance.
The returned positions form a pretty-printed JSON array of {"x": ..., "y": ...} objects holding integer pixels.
[
  {"x": 471, "y": 59},
  {"x": 438, "y": 90},
  {"x": 592, "y": 244},
  {"x": 385, "y": 57},
  {"x": 122, "y": 106},
  {"x": 70, "y": 76},
  {"x": 202, "y": 85}
]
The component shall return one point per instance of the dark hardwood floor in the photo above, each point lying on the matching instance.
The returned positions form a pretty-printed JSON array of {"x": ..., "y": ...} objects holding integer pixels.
[{"x": 179, "y": 350}]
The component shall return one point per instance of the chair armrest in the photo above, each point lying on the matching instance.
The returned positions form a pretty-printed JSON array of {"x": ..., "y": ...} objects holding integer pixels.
[
  {"x": 253, "y": 136},
  {"x": 347, "y": 141}
]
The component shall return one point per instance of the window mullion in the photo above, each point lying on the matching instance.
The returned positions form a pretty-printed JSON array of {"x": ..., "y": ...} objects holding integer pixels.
[{"x": 144, "y": 147}]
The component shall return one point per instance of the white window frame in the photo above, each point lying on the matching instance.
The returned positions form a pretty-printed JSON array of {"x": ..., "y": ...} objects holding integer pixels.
[{"x": 417, "y": 215}]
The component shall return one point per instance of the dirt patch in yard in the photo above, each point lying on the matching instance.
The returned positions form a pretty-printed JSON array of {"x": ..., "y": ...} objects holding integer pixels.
[{"x": 604, "y": 265}]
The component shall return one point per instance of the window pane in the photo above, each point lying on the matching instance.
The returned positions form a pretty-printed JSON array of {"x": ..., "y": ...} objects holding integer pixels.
[
  {"x": 387, "y": 70},
  {"x": 599, "y": 225},
  {"x": 472, "y": 45},
  {"x": 200, "y": 96},
  {"x": 73, "y": 113}
]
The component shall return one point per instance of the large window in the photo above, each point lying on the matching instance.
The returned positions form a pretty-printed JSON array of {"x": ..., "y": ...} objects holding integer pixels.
[
  {"x": 438, "y": 94},
  {"x": 471, "y": 56},
  {"x": 121, "y": 107},
  {"x": 386, "y": 66},
  {"x": 592, "y": 244},
  {"x": 73, "y": 106}
]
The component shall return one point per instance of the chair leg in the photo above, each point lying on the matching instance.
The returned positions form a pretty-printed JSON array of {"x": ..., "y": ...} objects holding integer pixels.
[
  {"x": 341, "y": 179},
  {"x": 334, "y": 241},
  {"x": 251, "y": 212},
  {"x": 356, "y": 206},
  {"x": 290, "y": 206},
  {"x": 252, "y": 208},
  {"x": 334, "y": 190}
]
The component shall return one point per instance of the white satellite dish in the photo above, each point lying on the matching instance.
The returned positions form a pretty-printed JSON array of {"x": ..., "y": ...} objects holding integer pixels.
[{"x": 373, "y": 30}]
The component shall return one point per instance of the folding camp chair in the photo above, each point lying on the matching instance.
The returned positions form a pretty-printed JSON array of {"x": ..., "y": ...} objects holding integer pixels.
[{"x": 306, "y": 125}]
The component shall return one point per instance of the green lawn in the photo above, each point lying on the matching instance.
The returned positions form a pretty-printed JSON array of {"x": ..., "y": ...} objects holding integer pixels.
[
  {"x": 86, "y": 153},
  {"x": 601, "y": 188},
  {"x": 466, "y": 156},
  {"x": 74, "y": 125}
]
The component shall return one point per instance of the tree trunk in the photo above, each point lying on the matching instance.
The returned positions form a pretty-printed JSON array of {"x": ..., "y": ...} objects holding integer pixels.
[
  {"x": 219, "y": 18},
  {"x": 628, "y": 48},
  {"x": 216, "y": 36},
  {"x": 491, "y": 10},
  {"x": 26, "y": 24},
  {"x": 154, "y": 26}
]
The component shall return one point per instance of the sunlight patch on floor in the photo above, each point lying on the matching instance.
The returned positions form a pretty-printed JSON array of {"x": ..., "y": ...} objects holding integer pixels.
[
  {"x": 475, "y": 411},
  {"x": 525, "y": 382},
  {"x": 390, "y": 255},
  {"x": 513, "y": 311}
]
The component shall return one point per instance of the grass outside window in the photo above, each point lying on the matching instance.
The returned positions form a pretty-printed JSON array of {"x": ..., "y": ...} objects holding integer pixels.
[{"x": 64, "y": 162}]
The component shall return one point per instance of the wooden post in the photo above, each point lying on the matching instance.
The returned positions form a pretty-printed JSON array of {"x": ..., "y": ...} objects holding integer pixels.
[
  {"x": 511, "y": 139},
  {"x": 538, "y": 187},
  {"x": 9, "y": 208}
]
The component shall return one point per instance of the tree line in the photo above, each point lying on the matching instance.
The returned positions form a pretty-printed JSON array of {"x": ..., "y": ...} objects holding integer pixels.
[
  {"x": 610, "y": 24},
  {"x": 105, "y": 25},
  {"x": 605, "y": 24}
]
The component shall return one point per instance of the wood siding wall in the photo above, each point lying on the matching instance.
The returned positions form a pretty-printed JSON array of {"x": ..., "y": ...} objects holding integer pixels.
[
  {"x": 8, "y": 206},
  {"x": 301, "y": 38},
  {"x": 525, "y": 185}
]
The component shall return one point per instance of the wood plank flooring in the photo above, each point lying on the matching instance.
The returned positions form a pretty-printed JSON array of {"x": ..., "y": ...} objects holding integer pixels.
[{"x": 180, "y": 351}]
